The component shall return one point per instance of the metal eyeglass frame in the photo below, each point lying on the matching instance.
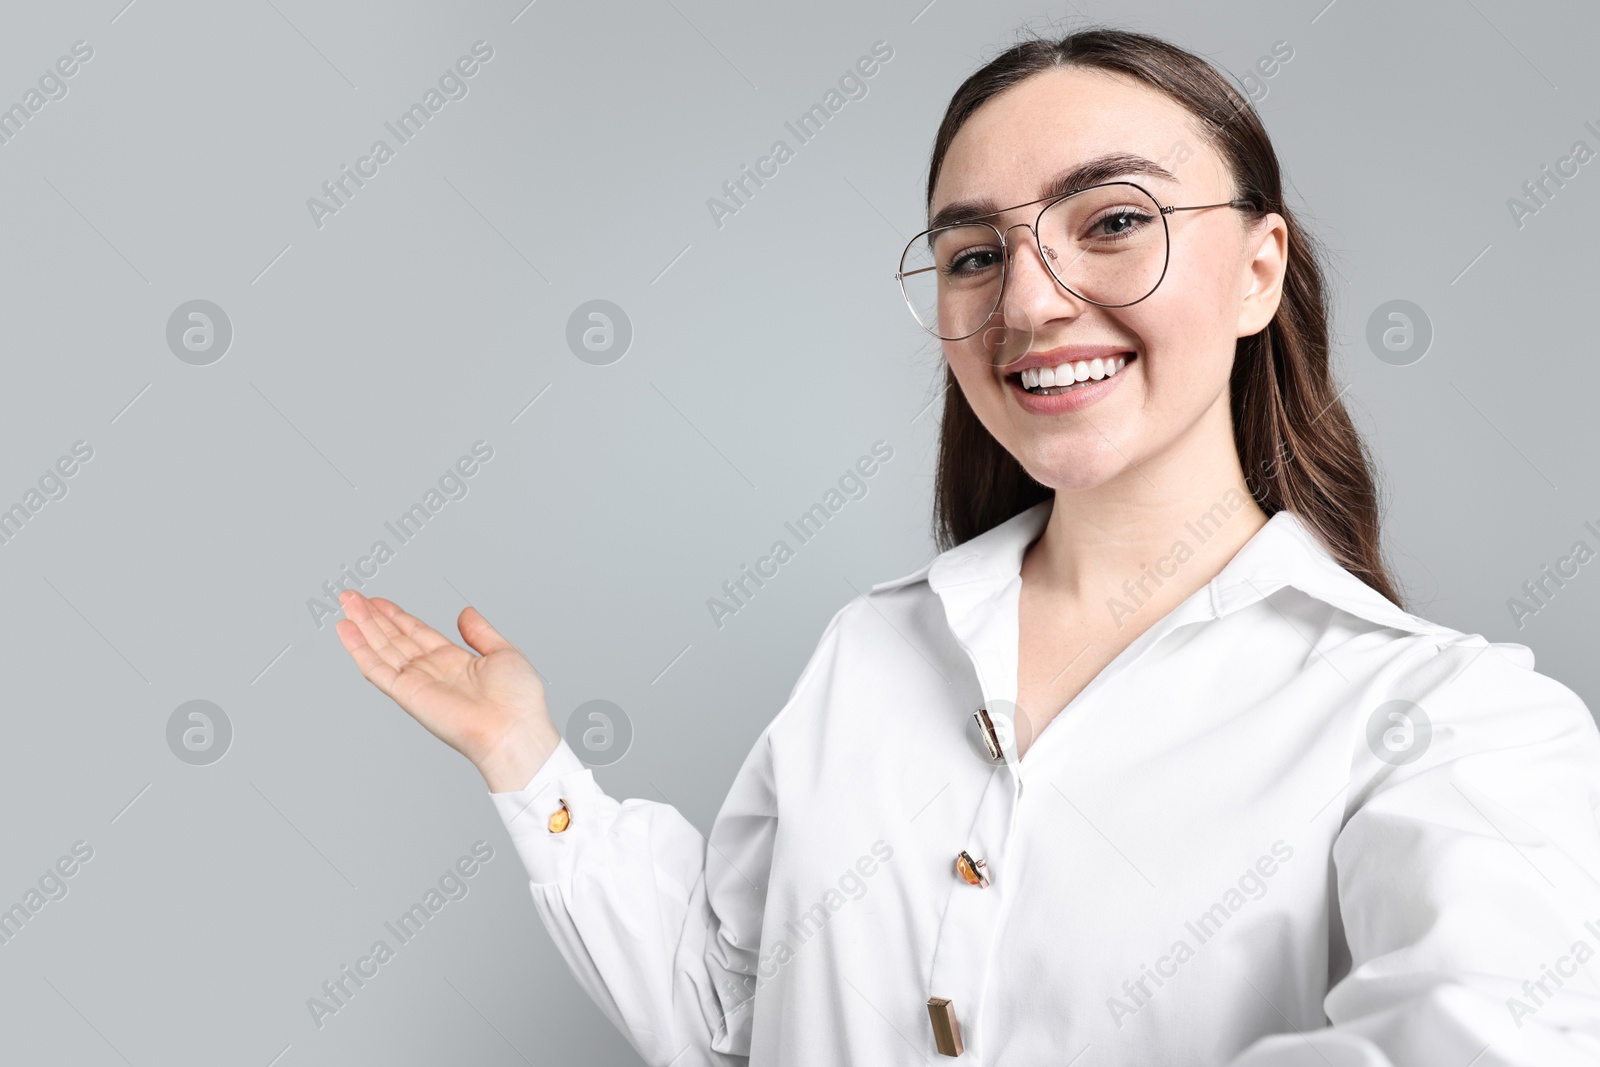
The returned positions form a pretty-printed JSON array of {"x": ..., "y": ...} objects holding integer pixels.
[{"x": 1046, "y": 256}]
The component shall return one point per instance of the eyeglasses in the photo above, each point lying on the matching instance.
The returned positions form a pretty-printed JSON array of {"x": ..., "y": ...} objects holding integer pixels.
[{"x": 1107, "y": 244}]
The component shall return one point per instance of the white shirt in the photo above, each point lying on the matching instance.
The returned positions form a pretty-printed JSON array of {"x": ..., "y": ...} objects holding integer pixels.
[{"x": 1224, "y": 850}]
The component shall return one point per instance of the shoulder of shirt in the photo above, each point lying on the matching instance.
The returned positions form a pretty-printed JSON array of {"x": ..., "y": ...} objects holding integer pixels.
[
  {"x": 1296, "y": 557},
  {"x": 1314, "y": 572}
]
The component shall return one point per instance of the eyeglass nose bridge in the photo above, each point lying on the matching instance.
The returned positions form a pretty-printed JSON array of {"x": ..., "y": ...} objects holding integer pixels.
[
  {"x": 1010, "y": 249},
  {"x": 1005, "y": 236}
]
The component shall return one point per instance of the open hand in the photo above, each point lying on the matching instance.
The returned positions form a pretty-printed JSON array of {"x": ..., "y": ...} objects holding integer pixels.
[{"x": 489, "y": 706}]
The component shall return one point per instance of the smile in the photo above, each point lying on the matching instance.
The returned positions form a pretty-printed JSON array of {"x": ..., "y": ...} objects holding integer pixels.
[{"x": 1066, "y": 377}]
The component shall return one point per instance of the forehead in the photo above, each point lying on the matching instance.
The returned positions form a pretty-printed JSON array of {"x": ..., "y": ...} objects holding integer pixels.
[{"x": 1016, "y": 141}]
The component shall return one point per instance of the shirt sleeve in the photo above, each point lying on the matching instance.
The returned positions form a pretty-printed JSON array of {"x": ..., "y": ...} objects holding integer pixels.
[
  {"x": 1468, "y": 880},
  {"x": 658, "y": 924},
  {"x": 627, "y": 894}
]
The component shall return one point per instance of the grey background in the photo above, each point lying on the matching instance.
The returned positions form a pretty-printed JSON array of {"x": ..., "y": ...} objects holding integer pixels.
[{"x": 767, "y": 355}]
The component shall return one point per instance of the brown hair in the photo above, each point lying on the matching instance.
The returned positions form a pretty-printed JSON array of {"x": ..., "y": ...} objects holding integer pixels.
[{"x": 1299, "y": 450}]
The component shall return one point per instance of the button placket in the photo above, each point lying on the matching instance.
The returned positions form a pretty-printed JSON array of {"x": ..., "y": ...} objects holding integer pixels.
[
  {"x": 982, "y": 613},
  {"x": 966, "y": 933},
  {"x": 981, "y": 602}
]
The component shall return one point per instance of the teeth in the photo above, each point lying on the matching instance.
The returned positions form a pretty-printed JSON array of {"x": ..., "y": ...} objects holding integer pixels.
[{"x": 1068, "y": 373}]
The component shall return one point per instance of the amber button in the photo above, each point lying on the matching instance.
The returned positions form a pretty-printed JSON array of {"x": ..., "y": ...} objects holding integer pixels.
[
  {"x": 561, "y": 819},
  {"x": 973, "y": 872}
]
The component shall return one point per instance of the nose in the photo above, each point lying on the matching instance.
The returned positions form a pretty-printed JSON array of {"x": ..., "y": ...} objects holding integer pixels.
[{"x": 1032, "y": 295}]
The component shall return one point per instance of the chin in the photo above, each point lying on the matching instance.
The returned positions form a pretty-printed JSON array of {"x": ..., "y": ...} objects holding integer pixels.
[{"x": 1071, "y": 466}]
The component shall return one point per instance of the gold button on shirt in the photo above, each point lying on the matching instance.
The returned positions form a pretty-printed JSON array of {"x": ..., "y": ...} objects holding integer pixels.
[
  {"x": 562, "y": 817},
  {"x": 1289, "y": 823}
]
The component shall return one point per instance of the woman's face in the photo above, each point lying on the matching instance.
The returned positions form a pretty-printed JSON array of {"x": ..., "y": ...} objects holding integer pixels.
[{"x": 1222, "y": 282}]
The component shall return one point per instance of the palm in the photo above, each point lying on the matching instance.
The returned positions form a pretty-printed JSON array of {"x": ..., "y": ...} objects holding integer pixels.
[
  {"x": 453, "y": 691},
  {"x": 471, "y": 702}
]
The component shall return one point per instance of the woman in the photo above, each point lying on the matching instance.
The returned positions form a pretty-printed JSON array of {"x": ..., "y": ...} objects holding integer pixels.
[{"x": 1147, "y": 766}]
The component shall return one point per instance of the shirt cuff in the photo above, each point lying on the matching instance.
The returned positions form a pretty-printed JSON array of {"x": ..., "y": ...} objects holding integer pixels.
[{"x": 550, "y": 857}]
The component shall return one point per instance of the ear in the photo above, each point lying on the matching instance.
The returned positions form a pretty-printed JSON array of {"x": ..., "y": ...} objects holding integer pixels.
[{"x": 1268, "y": 238}]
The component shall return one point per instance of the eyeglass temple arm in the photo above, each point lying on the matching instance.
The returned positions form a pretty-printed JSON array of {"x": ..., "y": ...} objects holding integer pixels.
[{"x": 1198, "y": 207}]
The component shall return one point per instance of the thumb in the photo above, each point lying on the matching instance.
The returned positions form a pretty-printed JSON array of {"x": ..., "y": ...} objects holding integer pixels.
[{"x": 477, "y": 632}]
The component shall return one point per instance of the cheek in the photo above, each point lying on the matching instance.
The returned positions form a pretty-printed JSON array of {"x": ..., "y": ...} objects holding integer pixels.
[
  {"x": 973, "y": 373},
  {"x": 1193, "y": 303},
  {"x": 1189, "y": 336},
  {"x": 977, "y": 380}
]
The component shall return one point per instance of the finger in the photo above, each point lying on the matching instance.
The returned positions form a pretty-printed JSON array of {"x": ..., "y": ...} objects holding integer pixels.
[
  {"x": 397, "y": 639},
  {"x": 479, "y": 634},
  {"x": 425, "y": 636},
  {"x": 372, "y": 666},
  {"x": 359, "y": 611}
]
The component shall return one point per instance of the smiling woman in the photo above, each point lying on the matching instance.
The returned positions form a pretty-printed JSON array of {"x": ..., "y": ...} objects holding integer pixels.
[{"x": 1130, "y": 334}]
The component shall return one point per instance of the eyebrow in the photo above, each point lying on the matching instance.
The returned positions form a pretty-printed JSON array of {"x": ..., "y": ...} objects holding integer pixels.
[{"x": 1089, "y": 172}]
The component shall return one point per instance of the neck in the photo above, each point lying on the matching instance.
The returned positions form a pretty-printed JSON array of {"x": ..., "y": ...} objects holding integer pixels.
[{"x": 1155, "y": 533}]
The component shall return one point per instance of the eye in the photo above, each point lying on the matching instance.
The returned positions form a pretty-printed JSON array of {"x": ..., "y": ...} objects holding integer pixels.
[
  {"x": 972, "y": 261},
  {"x": 1120, "y": 223}
]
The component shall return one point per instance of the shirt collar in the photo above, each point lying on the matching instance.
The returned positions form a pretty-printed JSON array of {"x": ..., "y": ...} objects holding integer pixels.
[{"x": 1285, "y": 551}]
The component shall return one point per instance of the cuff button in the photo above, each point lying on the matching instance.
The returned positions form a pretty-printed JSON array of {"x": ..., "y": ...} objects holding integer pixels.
[{"x": 561, "y": 819}]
